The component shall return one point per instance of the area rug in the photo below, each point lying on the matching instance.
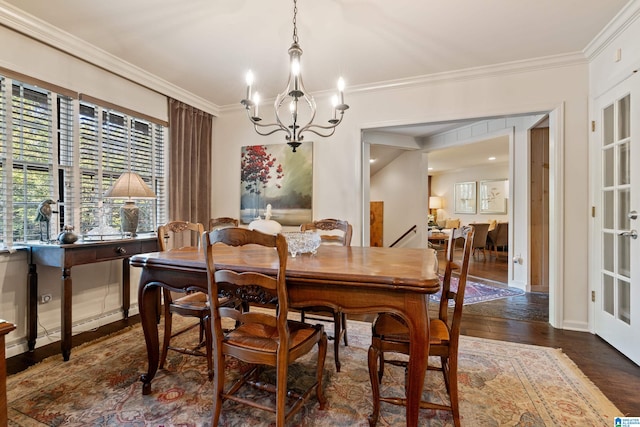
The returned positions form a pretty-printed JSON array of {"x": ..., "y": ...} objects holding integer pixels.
[
  {"x": 501, "y": 384},
  {"x": 478, "y": 292}
]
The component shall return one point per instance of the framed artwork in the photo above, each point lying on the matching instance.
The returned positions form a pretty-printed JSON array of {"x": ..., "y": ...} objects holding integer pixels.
[
  {"x": 464, "y": 196},
  {"x": 493, "y": 196},
  {"x": 274, "y": 175}
]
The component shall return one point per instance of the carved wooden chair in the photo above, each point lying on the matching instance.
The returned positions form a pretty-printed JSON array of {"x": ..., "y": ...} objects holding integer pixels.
[
  {"x": 221, "y": 222},
  {"x": 390, "y": 334},
  {"x": 260, "y": 337},
  {"x": 185, "y": 236},
  {"x": 332, "y": 232}
]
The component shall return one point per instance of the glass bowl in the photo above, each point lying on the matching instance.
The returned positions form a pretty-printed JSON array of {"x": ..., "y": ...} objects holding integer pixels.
[{"x": 302, "y": 242}]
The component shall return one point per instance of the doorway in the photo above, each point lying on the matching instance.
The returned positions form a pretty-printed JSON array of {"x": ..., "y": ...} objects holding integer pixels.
[{"x": 519, "y": 126}]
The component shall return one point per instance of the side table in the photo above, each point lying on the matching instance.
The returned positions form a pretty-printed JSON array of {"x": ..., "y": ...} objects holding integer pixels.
[{"x": 65, "y": 256}]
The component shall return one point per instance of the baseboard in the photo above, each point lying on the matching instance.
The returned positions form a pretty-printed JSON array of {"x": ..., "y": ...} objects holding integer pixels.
[{"x": 53, "y": 335}]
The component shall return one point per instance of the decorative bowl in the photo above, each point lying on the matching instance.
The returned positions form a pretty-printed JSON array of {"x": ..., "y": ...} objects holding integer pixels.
[{"x": 302, "y": 242}]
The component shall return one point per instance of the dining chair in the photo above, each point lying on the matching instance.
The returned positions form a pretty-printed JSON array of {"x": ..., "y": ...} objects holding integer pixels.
[
  {"x": 498, "y": 237},
  {"x": 480, "y": 238},
  {"x": 390, "y": 334},
  {"x": 332, "y": 232},
  {"x": 185, "y": 236},
  {"x": 261, "y": 338}
]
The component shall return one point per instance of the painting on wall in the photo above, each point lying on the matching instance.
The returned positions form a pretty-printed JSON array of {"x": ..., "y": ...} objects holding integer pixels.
[
  {"x": 274, "y": 175},
  {"x": 493, "y": 196},
  {"x": 464, "y": 194}
]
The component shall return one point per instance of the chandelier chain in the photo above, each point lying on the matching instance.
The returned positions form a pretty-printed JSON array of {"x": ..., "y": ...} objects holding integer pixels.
[{"x": 295, "y": 26}]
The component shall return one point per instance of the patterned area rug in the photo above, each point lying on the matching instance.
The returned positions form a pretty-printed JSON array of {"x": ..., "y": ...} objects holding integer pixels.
[
  {"x": 478, "y": 292},
  {"x": 501, "y": 384}
]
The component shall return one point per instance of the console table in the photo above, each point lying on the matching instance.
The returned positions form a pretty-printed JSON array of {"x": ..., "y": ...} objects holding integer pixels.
[
  {"x": 65, "y": 256},
  {"x": 5, "y": 328}
]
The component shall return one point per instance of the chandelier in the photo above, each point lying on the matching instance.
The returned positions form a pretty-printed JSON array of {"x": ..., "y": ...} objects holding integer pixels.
[{"x": 294, "y": 108}]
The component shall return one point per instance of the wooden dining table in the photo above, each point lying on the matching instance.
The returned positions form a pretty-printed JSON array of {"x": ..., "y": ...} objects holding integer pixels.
[{"x": 350, "y": 279}]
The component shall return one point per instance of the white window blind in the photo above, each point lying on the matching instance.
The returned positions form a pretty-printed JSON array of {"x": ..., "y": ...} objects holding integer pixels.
[
  {"x": 32, "y": 155},
  {"x": 5, "y": 209},
  {"x": 71, "y": 151}
]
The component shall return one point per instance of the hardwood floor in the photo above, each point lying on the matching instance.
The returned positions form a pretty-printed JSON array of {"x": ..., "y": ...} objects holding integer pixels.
[{"x": 608, "y": 369}]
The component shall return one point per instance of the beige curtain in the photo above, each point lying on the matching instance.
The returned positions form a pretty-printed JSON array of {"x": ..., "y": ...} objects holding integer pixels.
[{"x": 189, "y": 163}]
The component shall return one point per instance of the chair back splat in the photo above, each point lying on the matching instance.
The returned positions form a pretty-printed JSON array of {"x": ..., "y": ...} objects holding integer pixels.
[
  {"x": 261, "y": 337},
  {"x": 390, "y": 334},
  {"x": 332, "y": 232},
  {"x": 222, "y": 222}
]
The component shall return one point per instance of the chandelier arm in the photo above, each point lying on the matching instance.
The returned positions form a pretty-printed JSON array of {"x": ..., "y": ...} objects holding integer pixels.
[
  {"x": 276, "y": 107},
  {"x": 323, "y": 135},
  {"x": 310, "y": 126},
  {"x": 257, "y": 125},
  {"x": 278, "y": 129}
]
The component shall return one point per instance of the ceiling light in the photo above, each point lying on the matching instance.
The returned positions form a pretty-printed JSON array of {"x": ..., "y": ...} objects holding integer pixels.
[
  {"x": 492, "y": 158},
  {"x": 372, "y": 160},
  {"x": 291, "y": 118}
]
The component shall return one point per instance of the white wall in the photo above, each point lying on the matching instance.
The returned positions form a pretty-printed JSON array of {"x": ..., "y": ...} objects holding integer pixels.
[
  {"x": 442, "y": 185},
  {"x": 400, "y": 186},
  {"x": 37, "y": 60},
  {"x": 338, "y": 178},
  {"x": 339, "y": 182},
  {"x": 97, "y": 296}
]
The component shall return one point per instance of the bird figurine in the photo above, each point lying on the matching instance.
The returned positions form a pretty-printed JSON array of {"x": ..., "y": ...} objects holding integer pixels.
[{"x": 44, "y": 216}]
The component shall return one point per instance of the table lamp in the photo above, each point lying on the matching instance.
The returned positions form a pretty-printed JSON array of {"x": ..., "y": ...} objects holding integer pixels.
[
  {"x": 129, "y": 186},
  {"x": 435, "y": 203}
]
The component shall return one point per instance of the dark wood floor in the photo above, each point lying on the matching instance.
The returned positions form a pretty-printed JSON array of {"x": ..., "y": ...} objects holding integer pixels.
[{"x": 609, "y": 370}]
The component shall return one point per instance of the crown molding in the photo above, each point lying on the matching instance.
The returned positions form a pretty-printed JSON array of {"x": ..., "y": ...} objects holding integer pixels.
[
  {"x": 495, "y": 70},
  {"x": 627, "y": 15},
  {"x": 41, "y": 31},
  {"x": 488, "y": 71}
]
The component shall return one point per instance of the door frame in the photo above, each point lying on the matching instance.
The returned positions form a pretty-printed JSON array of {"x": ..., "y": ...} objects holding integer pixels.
[{"x": 556, "y": 115}]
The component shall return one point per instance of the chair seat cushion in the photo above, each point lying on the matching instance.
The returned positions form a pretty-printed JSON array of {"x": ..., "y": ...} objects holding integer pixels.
[
  {"x": 264, "y": 338},
  {"x": 197, "y": 301},
  {"x": 393, "y": 328}
]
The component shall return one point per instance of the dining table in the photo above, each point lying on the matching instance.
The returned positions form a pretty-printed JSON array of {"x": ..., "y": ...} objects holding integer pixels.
[{"x": 354, "y": 280}]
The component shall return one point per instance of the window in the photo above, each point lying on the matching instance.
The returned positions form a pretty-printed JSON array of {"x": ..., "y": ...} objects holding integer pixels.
[{"x": 71, "y": 151}]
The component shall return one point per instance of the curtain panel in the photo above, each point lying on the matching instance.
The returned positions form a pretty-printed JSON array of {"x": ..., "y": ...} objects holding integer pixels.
[{"x": 189, "y": 163}]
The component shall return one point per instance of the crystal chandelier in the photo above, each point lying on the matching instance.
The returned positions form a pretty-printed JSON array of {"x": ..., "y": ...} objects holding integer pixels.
[{"x": 294, "y": 108}]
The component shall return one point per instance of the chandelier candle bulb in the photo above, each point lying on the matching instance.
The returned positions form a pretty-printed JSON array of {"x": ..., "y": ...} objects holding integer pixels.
[
  {"x": 334, "y": 104},
  {"x": 256, "y": 103},
  {"x": 341, "y": 89}
]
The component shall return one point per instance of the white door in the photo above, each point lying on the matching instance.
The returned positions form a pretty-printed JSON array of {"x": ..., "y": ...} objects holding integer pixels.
[{"x": 617, "y": 292}]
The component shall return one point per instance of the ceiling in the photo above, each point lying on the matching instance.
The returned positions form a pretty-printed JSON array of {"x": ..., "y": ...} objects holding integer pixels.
[
  {"x": 206, "y": 46},
  {"x": 492, "y": 151}
]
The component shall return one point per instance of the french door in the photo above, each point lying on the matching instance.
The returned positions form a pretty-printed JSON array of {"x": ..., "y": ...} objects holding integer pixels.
[{"x": 617, "y": 272}]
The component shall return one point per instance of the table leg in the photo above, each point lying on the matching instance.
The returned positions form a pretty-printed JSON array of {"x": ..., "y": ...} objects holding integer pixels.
[
  {"x": 32, "y": 306},
  {"x": 147, "y": 297},
  {"x": 66, "y": 313},
  {"x": 126, "y": 287},
  {"x": 418, "y": 361}
]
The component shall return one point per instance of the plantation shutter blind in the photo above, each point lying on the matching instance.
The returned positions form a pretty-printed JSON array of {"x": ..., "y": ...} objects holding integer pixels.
[
  {"x": 6, "y": 207},
  {"x": 32, "y": 154}
]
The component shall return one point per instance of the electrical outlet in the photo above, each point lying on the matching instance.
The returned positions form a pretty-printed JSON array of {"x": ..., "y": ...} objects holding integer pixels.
[{"x": 45, "y": 298}]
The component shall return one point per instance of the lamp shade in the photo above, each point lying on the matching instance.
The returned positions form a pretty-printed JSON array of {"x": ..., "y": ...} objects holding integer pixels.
[
  {"x": 130, "y": 186},
  {"x": 435, "y": 202}
]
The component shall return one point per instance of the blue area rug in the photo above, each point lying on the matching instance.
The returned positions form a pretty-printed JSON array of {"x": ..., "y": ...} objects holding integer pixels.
[{"x": 477, "y": 292}]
